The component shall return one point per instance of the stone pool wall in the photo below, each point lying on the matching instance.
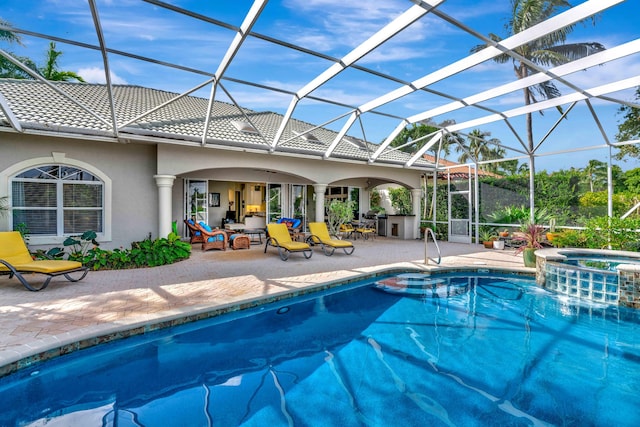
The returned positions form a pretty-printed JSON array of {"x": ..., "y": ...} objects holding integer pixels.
[
  {"x": 588, "y": 284},
  {"x": 629, "y": 285}
]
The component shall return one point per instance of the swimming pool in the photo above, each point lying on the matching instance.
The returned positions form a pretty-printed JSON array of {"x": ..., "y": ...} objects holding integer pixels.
[{"x": 464, "y": 349}]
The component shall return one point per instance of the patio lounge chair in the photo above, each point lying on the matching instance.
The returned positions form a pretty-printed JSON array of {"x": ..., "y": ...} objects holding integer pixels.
[
  {"x": 15, "y": 260},
  {"x": 195, "y": 236},
  {"x": 347, "y": 230},
  {"x": 320, "y": 236},
  {"x": 212, "y": 238},
  {"x": 278, "y": 236}
]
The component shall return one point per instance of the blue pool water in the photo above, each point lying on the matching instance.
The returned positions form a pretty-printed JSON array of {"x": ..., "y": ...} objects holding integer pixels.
[
  {"x": 600, "y": 262},
  {"x": 456, "y": 351}
]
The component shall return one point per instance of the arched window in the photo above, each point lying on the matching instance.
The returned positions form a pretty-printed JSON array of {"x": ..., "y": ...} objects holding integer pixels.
[{"x": 57, "y": 200}]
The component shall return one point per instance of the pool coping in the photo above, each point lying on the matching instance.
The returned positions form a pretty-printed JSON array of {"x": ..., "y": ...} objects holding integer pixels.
[
  {"x": 30, "y": 354},
  {"x": 554, "y": 254}
]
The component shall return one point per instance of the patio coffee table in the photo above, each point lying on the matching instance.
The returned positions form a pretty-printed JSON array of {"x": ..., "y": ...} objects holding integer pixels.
[{"x": 253, "y": 232}]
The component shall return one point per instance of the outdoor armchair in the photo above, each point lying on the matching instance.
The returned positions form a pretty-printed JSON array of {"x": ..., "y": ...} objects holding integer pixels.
[
  {"x": 278, "y": 236},
  {"x": 320, "y": 236},
  {"x": 195, "y": 236},
  {"x": 15, "y": 260},
  {"x": 212, "y": 238},
  {"x": 293, "y": 225}
]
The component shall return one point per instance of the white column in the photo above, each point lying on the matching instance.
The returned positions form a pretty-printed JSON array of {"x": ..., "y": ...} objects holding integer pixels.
[
  {"x": 165, "y": 184},
  {"x": 416, "y": 196},
  {"x": 365, "y": 200},
  {"x": 318, "y": 192}
]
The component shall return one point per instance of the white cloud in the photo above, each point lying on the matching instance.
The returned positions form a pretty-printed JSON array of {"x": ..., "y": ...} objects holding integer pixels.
[{"x": 96, "y": 75}]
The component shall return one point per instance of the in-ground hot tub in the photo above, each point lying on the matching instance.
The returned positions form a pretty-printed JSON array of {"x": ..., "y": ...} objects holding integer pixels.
[{"x": 600, "y": 275}]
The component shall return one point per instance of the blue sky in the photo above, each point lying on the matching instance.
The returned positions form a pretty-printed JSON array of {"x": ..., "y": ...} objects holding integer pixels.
[{"x": 331, "y": 27}]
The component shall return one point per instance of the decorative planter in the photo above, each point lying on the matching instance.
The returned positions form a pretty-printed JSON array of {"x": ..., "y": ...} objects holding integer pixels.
[
  {"x": 498, "y": 244},
  {"x": 551, "y": 236},
  {"x": 488, "y": 244},
  {"x": 529, "y": 257},
  {"x": 504, "y": 234}
]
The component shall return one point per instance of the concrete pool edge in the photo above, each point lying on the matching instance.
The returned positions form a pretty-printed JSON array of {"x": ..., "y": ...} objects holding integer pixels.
[{"x": 29, "y": 354}]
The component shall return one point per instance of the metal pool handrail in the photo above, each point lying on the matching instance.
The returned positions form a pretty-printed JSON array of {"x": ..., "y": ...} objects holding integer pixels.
[{"x": 428, "y": 231}]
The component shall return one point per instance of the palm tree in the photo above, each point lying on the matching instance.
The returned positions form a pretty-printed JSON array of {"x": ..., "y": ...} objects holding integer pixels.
[
  {"x": 549, "y": 50},
  {"x": 50, "y": 70},
  {"x": 409, "y": 139},
  {"x": 7, "y": 35},
  {"x": 7, "y": 68},
  {"x": 478, "y": 148},
  {"x": 628, "y": 130},
  {"x": 595, "y": 173},
  {"x": 496, "y": 153}
]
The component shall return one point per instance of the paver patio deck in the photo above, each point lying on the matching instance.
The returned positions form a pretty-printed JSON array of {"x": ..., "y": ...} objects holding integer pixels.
[{"x": 106, "y": 302}]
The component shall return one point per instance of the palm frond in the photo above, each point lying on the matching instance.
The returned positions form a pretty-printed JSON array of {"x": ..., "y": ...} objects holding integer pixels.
[{"x": 575, "y": 51}]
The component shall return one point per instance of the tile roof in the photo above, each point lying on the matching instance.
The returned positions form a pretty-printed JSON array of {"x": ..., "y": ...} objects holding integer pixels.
[
  {"x": 84, "y": 109},
  {"x": 461, "y": 170}
]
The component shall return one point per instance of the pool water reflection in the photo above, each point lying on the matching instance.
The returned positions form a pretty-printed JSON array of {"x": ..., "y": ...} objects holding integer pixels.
[{"x": 494, "y": 350}]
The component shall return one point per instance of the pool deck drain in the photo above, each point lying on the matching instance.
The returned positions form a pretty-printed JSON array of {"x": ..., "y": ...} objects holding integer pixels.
[{"x": 108, "y": 302}]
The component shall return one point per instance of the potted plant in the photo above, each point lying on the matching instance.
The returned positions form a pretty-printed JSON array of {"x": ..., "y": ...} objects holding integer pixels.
[
  {"x": 551, "y": 234},
  {"x": 504, "y": 233},
  {"x": 530, "y": 235},
  {"x": 486, "y": 235}
]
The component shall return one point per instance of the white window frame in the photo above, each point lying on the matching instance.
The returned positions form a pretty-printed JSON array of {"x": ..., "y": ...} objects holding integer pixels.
[{"x": 56, "y": 158}]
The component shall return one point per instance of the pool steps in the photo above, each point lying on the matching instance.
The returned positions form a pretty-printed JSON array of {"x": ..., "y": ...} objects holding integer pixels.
[{"x": 417, "y": 284}]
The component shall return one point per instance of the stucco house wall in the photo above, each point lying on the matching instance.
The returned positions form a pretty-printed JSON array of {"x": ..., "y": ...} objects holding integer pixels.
[{"x": 130, "y": 167}]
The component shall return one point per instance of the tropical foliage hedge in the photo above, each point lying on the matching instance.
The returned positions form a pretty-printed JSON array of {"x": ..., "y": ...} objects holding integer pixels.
[
  {"x": 146, "y": 253},
  {"x": 603, "y": 233}
]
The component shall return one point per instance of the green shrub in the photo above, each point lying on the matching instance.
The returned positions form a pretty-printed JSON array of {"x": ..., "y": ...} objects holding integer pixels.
[
  {"x": 571, "y": 239},
  {"x": 602, "y": 232},
  {"x": 400, "y": 200},
  {"x": 80, "y": 246},
  {"x": 519, "y": 215},
  {"x": 161, "y": 251},
  {"x": 620, "y": 234},
  {"x": 340, "y": 212},
  {"x": 146, "y": 253}
]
